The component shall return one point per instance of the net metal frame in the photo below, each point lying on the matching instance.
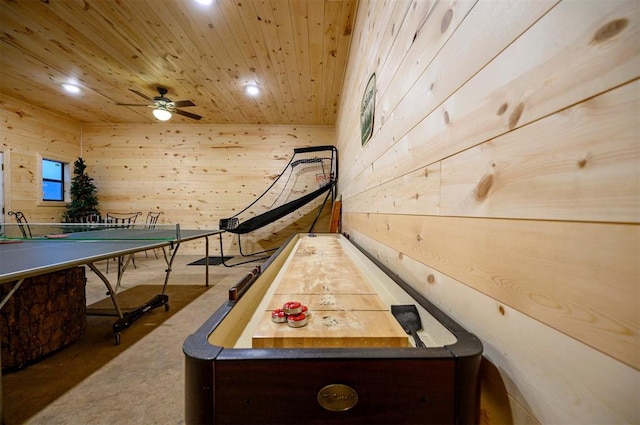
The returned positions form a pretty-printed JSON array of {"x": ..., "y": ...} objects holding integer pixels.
[{"x": 310, "y": 173}]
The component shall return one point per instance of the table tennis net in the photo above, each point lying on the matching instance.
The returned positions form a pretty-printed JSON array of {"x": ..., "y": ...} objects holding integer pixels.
[
  {"x": 89, "y": 231},
  {"x": 310, "y": 173}
]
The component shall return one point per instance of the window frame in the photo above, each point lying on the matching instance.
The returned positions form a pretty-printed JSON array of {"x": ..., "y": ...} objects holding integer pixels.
[{"x": 66, "y": 181}]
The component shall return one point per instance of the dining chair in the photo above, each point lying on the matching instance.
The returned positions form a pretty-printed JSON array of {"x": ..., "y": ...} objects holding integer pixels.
[
  {"x": 122, "y": 220},
  {"x": 91, "y": 218},
  {"x": 22, "y": 222},
  {"x": 152, "y": 220}
]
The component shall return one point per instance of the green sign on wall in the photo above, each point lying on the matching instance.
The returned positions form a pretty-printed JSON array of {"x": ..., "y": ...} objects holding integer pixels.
[{"x": 367, "y": 110}]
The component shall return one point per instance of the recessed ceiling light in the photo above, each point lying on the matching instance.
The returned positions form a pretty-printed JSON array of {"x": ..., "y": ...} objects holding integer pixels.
[
  {"x": 252, "y": 90},
  {"x": 205, "y": 2},
  {"x": 71, "y": 88}
]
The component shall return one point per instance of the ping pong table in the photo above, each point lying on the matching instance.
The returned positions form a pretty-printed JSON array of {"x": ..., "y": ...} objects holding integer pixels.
[
  {"x": 51, "y": 247},
  {"x": 47, "y": 248}
]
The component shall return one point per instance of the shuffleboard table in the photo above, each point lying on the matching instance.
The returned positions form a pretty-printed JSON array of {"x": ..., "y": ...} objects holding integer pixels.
[{"x": 352, "y": 363}]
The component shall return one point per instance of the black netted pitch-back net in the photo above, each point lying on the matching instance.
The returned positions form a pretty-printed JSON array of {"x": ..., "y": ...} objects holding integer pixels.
[{"x": 310, "y": 173}]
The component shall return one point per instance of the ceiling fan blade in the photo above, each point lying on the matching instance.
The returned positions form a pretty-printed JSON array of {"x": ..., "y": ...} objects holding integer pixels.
[
  {"x": 131, "y": 104},
  {"x": 144, "y": 96},
  {"x": 188, "y": 114},
  {"x": 183, "y": 103}
]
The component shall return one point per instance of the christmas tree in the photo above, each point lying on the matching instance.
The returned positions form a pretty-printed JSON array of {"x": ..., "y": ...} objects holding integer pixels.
[{"x": 84, "y": 198}]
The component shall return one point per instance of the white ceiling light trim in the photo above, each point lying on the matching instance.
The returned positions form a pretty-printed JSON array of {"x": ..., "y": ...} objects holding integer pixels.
[
  {"x": 71, "y": 88},
  {"x": 252, "y": 90}
]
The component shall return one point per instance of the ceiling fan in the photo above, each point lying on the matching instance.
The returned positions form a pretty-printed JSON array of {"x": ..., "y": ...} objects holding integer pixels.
[{"x": 164, "y": 107}]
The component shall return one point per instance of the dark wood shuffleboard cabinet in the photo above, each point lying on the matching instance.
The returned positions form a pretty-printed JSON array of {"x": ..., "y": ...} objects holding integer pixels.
[{"x": 352, "y": 363}]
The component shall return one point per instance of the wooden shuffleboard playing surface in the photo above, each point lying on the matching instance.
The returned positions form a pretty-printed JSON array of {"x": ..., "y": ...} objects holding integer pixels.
[{"x": 344, "y": 309}]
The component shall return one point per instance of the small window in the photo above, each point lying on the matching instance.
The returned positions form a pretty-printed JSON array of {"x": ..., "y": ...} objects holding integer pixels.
[{"x": 52, "y": 180}]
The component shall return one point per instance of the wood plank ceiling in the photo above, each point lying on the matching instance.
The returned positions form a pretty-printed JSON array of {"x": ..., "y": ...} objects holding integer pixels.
[{"x": 295, "y": 51}]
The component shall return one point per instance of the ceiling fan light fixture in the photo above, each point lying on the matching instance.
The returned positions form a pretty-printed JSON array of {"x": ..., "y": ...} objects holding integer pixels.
[{"x": 161, "y": 114}]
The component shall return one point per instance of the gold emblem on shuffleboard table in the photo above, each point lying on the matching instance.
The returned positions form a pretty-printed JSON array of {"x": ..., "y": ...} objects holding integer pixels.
[{"x": 337, "y": 397}]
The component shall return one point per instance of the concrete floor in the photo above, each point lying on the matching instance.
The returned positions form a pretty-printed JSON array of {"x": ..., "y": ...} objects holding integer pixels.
[{"x": 144, "y": 384}]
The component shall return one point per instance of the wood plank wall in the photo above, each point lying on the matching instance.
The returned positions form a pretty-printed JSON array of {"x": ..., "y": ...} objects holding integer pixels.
[
  {"x": 197, "y": 174},
  {"x": 503, "y": 181},
  {"x": 28, "y": 135}
]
